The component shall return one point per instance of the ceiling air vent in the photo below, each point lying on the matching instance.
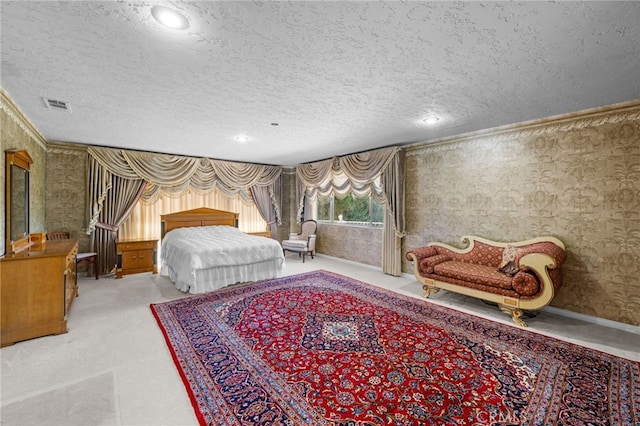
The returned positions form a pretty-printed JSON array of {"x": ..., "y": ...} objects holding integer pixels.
[{"x": 56, "y": 105}]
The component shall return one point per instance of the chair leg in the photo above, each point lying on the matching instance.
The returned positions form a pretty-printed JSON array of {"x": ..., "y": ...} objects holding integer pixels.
[
  {"x": 96, "y": 267},
  {"x": 303, "y": 253}
]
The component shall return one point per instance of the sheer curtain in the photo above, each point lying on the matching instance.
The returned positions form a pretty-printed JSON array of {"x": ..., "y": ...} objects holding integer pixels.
[{"x": 144, "y": 221}]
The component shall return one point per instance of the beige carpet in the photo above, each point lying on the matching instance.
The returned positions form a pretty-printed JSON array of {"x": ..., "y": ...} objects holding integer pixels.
[
  {"x": 113, "y": 366},
  {"x": 88, "y": 402}
]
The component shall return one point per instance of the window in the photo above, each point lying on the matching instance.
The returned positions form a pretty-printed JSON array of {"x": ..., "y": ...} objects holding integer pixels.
[
  {"x": 324, "y": 208},
  {"x": 351, "y": 210}
]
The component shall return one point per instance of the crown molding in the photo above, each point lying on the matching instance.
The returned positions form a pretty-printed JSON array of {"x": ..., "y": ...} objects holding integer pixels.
[
  {"x": 56, "y": 147},
  {"x": 628, "y": 111},
  {"x": 14, "y": 112}
]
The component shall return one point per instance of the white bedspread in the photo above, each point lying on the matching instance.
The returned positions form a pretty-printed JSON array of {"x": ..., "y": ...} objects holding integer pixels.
[{"x": 205, "y": 258}]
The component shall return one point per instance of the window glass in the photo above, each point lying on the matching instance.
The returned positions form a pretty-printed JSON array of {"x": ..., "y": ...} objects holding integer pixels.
[
  {"x": 351, "y": 209},
  {"x": 377, "y": 213},
  {"x": 324, "y": 208}
]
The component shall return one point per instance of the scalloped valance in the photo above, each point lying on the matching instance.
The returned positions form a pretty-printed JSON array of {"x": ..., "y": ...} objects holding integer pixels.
[{"x": 176, "y": 174}]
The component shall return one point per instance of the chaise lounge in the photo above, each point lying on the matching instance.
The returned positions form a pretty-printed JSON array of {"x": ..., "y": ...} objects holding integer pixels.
[{"x": 516, "y": 276}]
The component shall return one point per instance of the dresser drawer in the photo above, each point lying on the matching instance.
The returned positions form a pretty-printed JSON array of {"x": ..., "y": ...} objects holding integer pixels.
[{"x": 137, "y": 245}]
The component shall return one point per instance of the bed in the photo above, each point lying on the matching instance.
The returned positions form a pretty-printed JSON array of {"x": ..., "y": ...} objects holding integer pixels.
[{"x": 203, "y": 250}]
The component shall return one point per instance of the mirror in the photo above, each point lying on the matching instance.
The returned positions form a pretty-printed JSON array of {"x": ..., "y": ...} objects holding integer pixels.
[
  {"x": 19, "y": 202},
  {"x": 17, "y": 199}
]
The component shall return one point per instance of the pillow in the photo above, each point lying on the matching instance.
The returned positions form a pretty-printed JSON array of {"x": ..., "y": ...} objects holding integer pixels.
[
  {"x": 509, "y": 254},
  {"x": 510, "y": 269}
]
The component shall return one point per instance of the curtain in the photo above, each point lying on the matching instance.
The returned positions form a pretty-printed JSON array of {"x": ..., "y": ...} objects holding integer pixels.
[
  {"x": 174, "y": 174},
  {"x": 266, "y": 200},
  {"x": 379, "y": 173},
  {"x": 393, "y": 183},
  {"x": 355, "y": 172},
  {"x": 124, "y": 195},
  {"x": 111, "y": 198}
]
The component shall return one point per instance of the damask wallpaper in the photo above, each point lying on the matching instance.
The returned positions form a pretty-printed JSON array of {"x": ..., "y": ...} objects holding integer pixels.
[
  {"x": 17, "y": 133},
  {"x": 576, "y": 179},
  {"x": 354, "y": 243},
  {"x": 66, "y": 196}
]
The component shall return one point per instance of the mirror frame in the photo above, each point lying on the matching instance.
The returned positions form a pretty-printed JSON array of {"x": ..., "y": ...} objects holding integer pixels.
[{"x": 21, "y": 159}]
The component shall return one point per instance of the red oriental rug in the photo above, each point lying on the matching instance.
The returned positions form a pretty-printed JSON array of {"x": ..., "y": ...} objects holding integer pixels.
[{"x": 323, "y": 349}]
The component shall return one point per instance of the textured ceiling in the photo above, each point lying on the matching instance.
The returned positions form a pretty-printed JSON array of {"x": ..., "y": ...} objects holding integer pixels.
[{"x": 338, "y": 77}]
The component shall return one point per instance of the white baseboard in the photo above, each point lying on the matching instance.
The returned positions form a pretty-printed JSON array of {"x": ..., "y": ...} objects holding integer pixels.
[
  {"x": 594, "y": 320},
  {"x": 351, "y": 262},
  {"x": 552, "y": 309},
  {"x": 582, "y": 317}
]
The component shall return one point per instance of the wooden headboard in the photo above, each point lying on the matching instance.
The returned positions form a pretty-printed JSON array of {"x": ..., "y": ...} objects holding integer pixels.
[{"x": 197, "y": 217}]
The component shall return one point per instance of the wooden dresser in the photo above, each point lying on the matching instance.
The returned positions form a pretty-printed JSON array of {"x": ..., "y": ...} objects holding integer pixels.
[
  {"x": 37, "y": 288},
  {"x": 136, "y": 256}
]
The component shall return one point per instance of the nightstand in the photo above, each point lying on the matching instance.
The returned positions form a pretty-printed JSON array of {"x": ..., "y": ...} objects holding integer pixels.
[{"x": 136, "y": 256}]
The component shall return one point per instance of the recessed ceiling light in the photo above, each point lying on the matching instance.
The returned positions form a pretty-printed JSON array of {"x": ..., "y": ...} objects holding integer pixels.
[
  {"x": 169, "y": 17},
  {"x": 242, "y": 138},
  {"x": 431, "y": 120}
]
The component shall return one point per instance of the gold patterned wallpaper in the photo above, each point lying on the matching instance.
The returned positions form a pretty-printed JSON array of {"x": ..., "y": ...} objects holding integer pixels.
[
  {"x": 577, "y": 179},
  {"x": 17, "y": 133},
  {"x": 354, "y": 243},
  {"x": 67, "y": 187}
]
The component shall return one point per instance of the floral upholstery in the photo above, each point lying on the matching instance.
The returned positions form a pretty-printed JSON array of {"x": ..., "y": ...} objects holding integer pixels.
[
  {"x": 526, "y": 284},
  {"x": 474, "y": 272},
  {"x": 519, "y": 276},
  {"x": 426, "y": 251},
  {"x": 552, "y": 250},
  {"x": 478, "y": 268},
  {"x": 482, "y": 254},
  {"x": 428, "y": 263},
  {"x": 477, "y": 286}
]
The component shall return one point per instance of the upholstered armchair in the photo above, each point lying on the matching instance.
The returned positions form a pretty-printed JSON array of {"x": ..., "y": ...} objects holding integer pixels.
[{"x": 304, "y": 242}]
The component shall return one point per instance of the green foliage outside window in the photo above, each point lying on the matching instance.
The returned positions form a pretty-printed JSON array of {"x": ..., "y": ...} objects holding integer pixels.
[{"x": 350, "y": 209}]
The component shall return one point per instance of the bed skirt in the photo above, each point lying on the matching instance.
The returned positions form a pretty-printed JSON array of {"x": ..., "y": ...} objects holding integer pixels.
[{"x": 210, "y": 279}]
